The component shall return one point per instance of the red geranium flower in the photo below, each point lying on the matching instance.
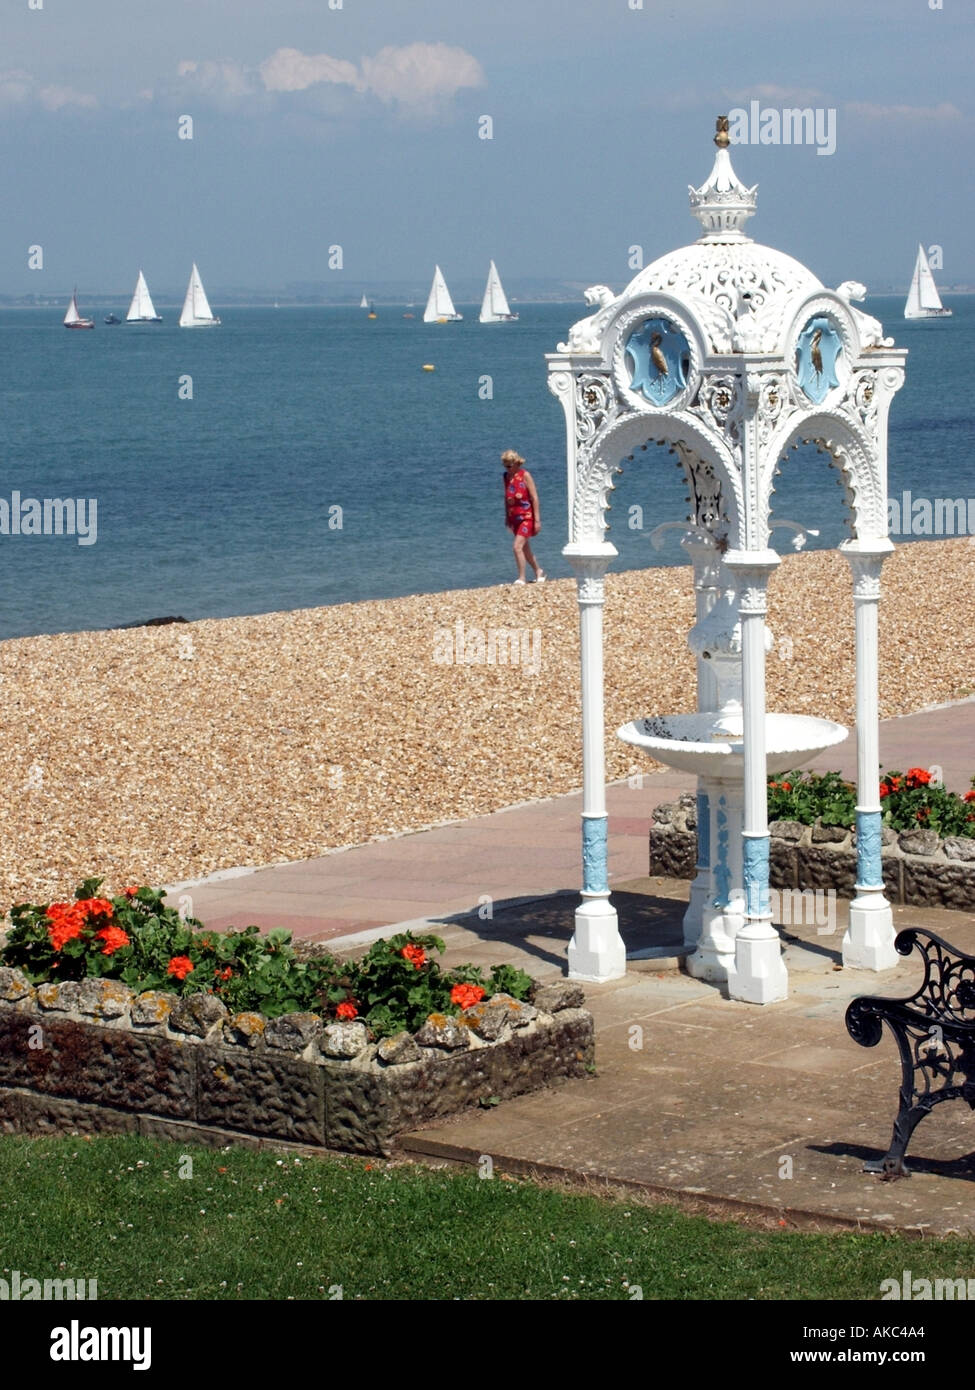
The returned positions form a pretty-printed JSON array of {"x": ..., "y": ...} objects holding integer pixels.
[
  {"x": 346, "y": 1010},
  {"x": 66, "y": 923},
  {"x": 114, "y": 938},
  {"x": 180, "y": 966},
  {"x": 415, "y": 955},
  {"x": 917, "y": 777},
  {"x": 970, "y": 796},
  {"x": 466, "y": 995},
  {"x": 131, "y": 892},
  {"x": 225, "y": 973},
  {"x": 787, "y": 786},
  {"x": 95, "y": 907},
  {"x": 884, "y": 790}
]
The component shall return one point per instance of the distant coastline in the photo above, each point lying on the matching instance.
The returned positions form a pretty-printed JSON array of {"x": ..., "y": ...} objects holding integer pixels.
[{"x": 350, "y": 298}]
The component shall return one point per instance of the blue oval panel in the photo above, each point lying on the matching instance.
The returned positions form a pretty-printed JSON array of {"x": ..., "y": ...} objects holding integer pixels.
[
  {"x": 817, "y": 351},
  {"x": 660, "y": 356}
]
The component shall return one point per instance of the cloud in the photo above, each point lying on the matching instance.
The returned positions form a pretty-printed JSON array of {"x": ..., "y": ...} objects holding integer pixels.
[
  {"x": 16, "y": 85},
  {"x": 418, "y": 78},
  {"x": 945, "y": 111},
  {"x": 219, "y": 78},
  {"x": 784, "y": 96},
  {"x": 290, "y": 70},
  {"x": 422, "y": 74},
  {"x": 54, "y": 98},
  {"x": 19, "y": 87}
]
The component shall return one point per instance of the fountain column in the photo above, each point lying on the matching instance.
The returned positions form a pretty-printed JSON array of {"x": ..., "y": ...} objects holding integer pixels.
[
  {"x": 596, "y": 951},
  {"x": 869, "y": 940},
  {"x": 758, "y": 975},
  {"x": 707, "y": 567}
]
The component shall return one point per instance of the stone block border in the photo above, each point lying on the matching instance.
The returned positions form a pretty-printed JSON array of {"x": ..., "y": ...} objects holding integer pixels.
[
  {"x": 920, "y": 869},
  {"x": 95, "y": 1057}
]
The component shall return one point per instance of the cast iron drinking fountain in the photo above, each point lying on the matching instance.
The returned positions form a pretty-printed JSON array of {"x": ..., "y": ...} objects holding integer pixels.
[{"x": 730, "y": 354}]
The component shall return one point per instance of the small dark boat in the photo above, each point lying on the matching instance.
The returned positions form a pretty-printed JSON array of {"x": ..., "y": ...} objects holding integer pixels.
[{"x": 112, "y": 318}]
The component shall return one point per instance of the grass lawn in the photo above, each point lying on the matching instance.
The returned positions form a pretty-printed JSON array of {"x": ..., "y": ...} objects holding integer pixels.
[{"x": 254, "y": 1225}]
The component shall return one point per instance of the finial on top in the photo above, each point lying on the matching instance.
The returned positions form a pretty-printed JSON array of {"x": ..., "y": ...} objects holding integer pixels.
[{"x": 723, "y": 204}]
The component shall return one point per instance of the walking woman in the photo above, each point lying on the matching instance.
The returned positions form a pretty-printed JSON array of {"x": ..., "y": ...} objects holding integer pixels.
[{"x": 522, "y": 514}]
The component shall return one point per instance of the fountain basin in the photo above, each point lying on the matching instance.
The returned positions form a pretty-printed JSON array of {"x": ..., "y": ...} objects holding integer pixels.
[{"x": 710, "y": 745}]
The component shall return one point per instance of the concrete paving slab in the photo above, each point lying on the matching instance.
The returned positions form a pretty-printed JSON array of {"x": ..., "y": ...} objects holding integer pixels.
[{"x": 721, "y": 1093}]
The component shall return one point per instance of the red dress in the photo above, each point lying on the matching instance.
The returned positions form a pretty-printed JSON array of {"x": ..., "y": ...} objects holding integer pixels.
[{"x": 519, "y": 513}]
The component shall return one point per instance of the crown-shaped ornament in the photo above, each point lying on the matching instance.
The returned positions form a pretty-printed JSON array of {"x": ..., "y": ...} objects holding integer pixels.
[{"x": 723, "y": 204}]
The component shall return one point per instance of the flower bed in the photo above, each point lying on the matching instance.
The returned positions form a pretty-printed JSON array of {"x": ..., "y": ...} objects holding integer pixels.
[
  {"x": 116, "y": 1015},
  {"x": 813, "y": 844},
  {"x": 910, "y": 800},
  {"x": 136, "y": 939}
]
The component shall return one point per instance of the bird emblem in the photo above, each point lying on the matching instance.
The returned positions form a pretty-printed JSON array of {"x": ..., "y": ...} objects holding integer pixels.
[
  {"x": 660, "y": 354},
  {"x": 815, "y": 352},
  {"x": 657, "y": 357}
]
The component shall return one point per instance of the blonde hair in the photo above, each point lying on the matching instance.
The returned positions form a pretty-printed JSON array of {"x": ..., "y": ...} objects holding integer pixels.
[{"x": 509, "y": 456}]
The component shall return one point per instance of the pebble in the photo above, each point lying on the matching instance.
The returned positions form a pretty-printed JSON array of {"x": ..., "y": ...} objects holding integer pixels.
[{"x": 291, "y": 734}]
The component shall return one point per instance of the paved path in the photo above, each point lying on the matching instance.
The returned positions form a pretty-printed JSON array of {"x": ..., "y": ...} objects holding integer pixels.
[
  {"x": 708, "y": 1101},
  {"x": 525, "y": 851}
]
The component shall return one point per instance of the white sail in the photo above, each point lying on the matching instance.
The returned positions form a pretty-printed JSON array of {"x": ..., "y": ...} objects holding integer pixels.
[
  {"x": 923, "y": 300},
  {"x": 363, "y": 303},
  {"x": 494, "y": 306},
  {"x": 439, "y": 305},
  {"x": 196, "y": 307},
  {"x": 141, "y": 310},
  {"x": 73, "y": 319}
]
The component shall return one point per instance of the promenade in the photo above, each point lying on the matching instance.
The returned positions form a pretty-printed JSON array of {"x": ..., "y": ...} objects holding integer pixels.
[{"x": 765, "y": 1114}]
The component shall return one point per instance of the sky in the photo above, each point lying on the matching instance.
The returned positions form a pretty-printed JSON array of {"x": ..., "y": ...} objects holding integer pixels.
[{"x": 359, "y": 124}]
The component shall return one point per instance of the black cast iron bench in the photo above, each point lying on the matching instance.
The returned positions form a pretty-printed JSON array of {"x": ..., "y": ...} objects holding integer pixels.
[{"x": 935, "y": 1033}]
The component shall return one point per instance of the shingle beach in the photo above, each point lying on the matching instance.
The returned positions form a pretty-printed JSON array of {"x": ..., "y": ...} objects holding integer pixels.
[{"x": 159, "y": 754}]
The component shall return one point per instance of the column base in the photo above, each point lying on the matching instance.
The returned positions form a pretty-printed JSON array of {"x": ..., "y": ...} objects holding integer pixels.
[
  {"x": 596, "y": 951},
  {"x": 697, "y": 907},
  {"x": 715, "y": 954},
  {"x": 868, "y": 943},
  {"x": 758, "y": 975}
]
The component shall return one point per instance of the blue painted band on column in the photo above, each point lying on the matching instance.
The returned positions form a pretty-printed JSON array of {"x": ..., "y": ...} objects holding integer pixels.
[
  {"x": 870, "y": 869},
  {"x": 722, "y": 870},
  {"x": 755, "y": 851},
  {"x": 594, "y": 851},
  {"x": 703, "y": 830}
]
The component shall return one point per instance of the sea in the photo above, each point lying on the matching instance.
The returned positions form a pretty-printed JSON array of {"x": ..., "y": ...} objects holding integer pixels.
[{"x": 295, "y": 457}]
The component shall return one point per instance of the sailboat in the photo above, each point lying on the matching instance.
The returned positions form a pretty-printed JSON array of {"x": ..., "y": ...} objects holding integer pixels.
[
  {"x": 73, "y": 319},
  {"x": 196, "y": 307},
  {"x": 923, "y": 300},
  {"x": 440, "y": 306},
  {"x": 363, "y": 303},
  {"x": 494, "y": 306},
  {"x": 141, "y": 309}
]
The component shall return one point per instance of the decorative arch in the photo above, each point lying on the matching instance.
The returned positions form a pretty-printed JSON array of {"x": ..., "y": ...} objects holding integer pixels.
[
  {"x": 851, "y": 451},
  {"x": 597, "y": 464},
  {"x": 849, "y": 502}
]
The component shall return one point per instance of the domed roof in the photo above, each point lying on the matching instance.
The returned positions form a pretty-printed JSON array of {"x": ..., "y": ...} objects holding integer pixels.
[
  {"x": 742, "y": 291},
  {"x": 743, "y": 294}
]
